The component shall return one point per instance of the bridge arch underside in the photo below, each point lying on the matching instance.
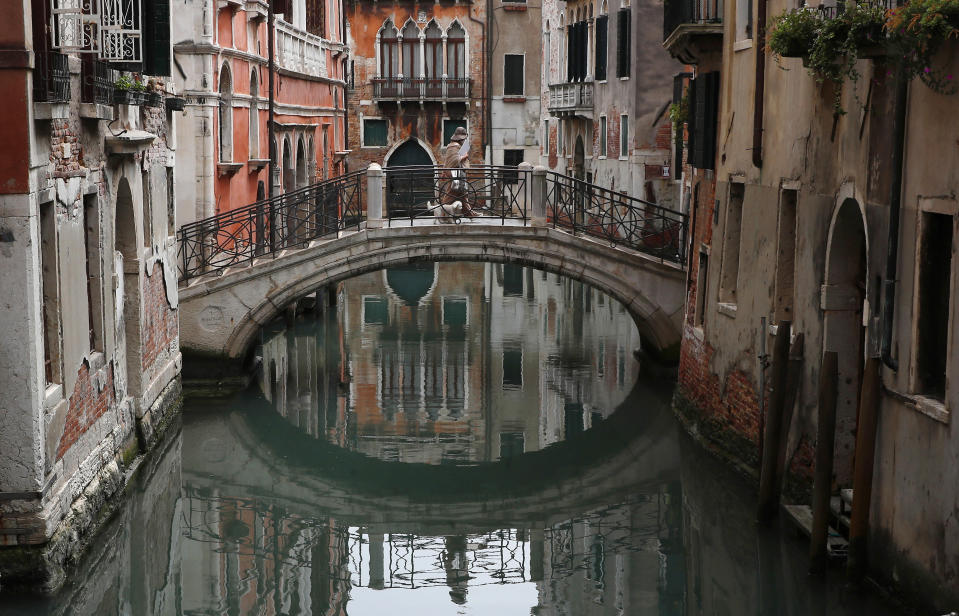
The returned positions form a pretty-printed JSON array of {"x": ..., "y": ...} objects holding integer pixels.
[{"x": 222, "y": 316}]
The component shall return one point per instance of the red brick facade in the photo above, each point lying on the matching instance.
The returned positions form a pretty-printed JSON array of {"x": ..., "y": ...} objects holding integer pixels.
[
  {"x": 160, "y": 325},
  {"x": 87, "y": 404}
]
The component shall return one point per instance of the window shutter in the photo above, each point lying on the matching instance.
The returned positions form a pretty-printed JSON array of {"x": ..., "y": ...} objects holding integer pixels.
[
  {"x": 695, "y": 122},
  {"x": 156, "y": 37},
  {"x": 570, "y": 46},
  {"x": 283, "y": 7},
  {"x": 622, "y": 43},
  {"x": 513, "y": 75},
  {"x": 601, "y": 44},
  {"x": 316, "y": 17},
  {"x": 704, "y": 117},
  {"x": 583, "y": 48}
]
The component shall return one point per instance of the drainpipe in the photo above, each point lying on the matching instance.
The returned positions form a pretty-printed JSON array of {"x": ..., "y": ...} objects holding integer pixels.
[
  {"x": 895, "y": 203},
  {"x": 760, "y": 84}
]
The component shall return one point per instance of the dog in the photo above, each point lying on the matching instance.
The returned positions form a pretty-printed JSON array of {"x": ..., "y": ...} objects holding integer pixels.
[{"x": 447, "y": 213}]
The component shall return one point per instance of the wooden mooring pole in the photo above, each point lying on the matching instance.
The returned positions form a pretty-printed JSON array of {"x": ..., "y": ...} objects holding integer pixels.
[
  {"x": 768, "y": 493},
  {"x": 862, "y": 474},
  {"x": 825, "y": 441}
]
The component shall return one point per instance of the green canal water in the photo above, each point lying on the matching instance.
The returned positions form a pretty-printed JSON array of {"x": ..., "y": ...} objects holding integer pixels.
[{"x": 450, "y": 438}]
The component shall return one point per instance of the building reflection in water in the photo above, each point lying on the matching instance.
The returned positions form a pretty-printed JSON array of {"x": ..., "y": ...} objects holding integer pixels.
[{"x": 452, "y": 362}]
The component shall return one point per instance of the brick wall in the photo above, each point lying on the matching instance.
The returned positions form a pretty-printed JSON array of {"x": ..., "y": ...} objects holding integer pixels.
[
  {"x": 63, "y": 133},
  {"x": 90, "y": 399},
  {"x": 160, "y": 325}
]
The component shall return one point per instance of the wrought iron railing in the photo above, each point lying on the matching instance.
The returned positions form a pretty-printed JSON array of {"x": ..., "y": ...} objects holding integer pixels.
[
  {"x": 413, "y": 88},
  {"x": 680, "y": 12},
  {"x": 96, "y": 81},
  {"x": 289, "y": 220},
  {"x": 51, "y": 78},
  {"x": 490, "y": 192},
  {"x": 621, "y": 220}
]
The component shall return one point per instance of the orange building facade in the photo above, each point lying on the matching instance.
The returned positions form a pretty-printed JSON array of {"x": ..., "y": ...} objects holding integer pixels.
[
  {"x": 223, "y": 71},
  {"x": 418, "y": 71}
]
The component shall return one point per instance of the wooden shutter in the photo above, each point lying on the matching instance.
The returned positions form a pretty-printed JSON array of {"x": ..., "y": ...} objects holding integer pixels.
[
  {"x": 622, "y": 43},
  {"x": 704, "y": 112},
  {"x": 513, "y": 75},
  {"x": 156, "y": 37},
  {"x": 602, "y": 23},
  {"x": 283, "y": 7},
  {"x": 570, "y": 46},
  {"x": 316, "y": 17}
]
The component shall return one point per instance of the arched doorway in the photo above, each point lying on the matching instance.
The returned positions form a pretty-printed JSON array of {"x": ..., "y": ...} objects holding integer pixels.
[
  {"x": 301, "y": 170},
  {"x": 289, "y": 179},
  {"x": 579, "y": 159},
  {"x": 843, "y": 331},
  {"x": 126, "y": 243},
  {"x": 408, "y": 193}
]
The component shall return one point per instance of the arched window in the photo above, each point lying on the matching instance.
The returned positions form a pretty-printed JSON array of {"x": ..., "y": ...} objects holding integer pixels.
[
  {"x": 411, "y": 51},
  {"x": 226, "y": 114},
  {"x": 302, "y": 173},
  {"x": 254, "y": 115},
  {"x": 389, "y": 51},
  {"x": 547, "y": 64},
  {"x": 456, "y": 51},
  {"x": 434, "y": 60}
]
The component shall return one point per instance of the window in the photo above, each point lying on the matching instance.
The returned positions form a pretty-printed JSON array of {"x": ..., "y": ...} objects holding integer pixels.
[
  {"x": 171, "y": 203},
  {"x": 374, "y": 133},
  {"x": 744, "y": 19},
  {"x": 622, "y": 43},
  {"x": 147, "y": 209},
  {"x": 512, "y": 280},
  {"x": 511, "y": 444},
  {"x": 513, "y": 74},
  {"x": 450, "y": 126},
  {"x": 226, "y": 114},
  {"x": 411, "y": 51},
  {"x": 602, "y": 136},
  {"x": 545, "y": 140},
  {"x": 573, "y": 419},
  {"x": 91, "y": 240},
  {"x": 933, "y": 309},
  {"x": 624, "y": 136},
  {"x": 254, "y": 115},
  {"x": 454, "y": 311},
  {"x": 786, "y": 257},
  {"x": 602, "y": 27},
  {"x": 549, "y": 60},
  {"x": 512, "y": 158},
  {"x": 703, "y": 118},
  {"x": 701, "y": 288},
  {"x": 316, "y": 17},
  {"x": 561, "y": 139},
  {"x": 434, "y": 59},
  {"x": 729, "y": 278},
  {"x": 456, "y": 51},
  {"x": 375, "y": 311},
  {"x": 50, "y": 310},
  {"x": 512, "y": 368},
  {"x": 389, "y": 50},
  {"x": 577, "y": 50}
]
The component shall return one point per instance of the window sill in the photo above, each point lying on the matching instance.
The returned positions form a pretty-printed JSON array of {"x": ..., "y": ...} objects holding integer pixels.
[
  {"x": 518, "y": 7},
  {"x": 513, "y": 98},
  {"x": 255, "y": 164},
  {"x": 372, "y": 147},
  {"x": 623, "y": 158},
  {"x": 626, "y": 78},
  {"x": 228, "y": 168},
  {"x": 96, "y": 111},
  {"x": 743, "y": 45},
  {"x": 601, "y": 157},
  {"x": 727, "y": 309},
  {"x": 51, "y": 111},
  {"x": 930, "y": 407}
]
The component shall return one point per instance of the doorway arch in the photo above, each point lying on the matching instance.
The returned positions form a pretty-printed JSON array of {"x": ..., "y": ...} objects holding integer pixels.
[
  {"x": 844, "y": 293},
  {"x": 289, "y": 179},
  {"x": 125, "y": 234},
  {"x": 406, "y": 195},
  {"x": 301, "y": 171}
]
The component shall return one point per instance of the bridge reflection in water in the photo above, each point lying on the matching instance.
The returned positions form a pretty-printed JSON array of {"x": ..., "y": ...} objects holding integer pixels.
[{"x": 459, "y": 438}]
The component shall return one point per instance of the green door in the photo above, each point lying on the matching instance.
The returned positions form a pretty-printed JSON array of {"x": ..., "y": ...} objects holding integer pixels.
[{"x": 410, "y": 180}]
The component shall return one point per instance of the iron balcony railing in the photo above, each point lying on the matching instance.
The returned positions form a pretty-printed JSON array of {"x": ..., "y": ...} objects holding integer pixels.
[
  {"x": 680, "y": 12},
  {"x": 571, "y": 96},
  {"x": 51, "y": 77},
  {"x": 621, "y": 220},
  {"x": 489, "y": 192},
  {"x": 96, "y": 81},
  {"x": 429, "y": 88},
  {"x": 289, "y": 220}
]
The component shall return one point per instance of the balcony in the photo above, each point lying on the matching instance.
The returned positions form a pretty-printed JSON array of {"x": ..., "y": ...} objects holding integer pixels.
[
  {"x": 442, "y": 89},
  {"x": 51, "y": 78},
  {"x": 571, "y": 99},
  {"x": 693, "y": 29},
  {"x": 298, "y": 51}
]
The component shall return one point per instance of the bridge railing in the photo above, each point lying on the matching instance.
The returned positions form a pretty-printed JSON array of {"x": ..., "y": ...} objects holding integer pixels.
[
  {"x": 491, "y": 192},
  {"x": 286, "y": 221},
  {"x": 616, "y": 217}
]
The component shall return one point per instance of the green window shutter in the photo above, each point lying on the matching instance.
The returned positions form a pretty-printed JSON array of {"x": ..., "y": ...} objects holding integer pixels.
[
  {"x": 374, "y": 132},
  {"x": 602, "y": 23},
  {"x": 156, "y": 37}
]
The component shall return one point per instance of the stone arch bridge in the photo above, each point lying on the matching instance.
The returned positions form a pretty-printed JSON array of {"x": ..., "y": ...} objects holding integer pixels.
[{"x": 240, "y": 270}]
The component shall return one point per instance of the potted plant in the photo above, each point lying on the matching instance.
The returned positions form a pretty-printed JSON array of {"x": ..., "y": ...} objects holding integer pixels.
[
  {"x": 916, "y": 32},
  {"x": 792, "y": 32},
  {"x": 128, "y": 90}
]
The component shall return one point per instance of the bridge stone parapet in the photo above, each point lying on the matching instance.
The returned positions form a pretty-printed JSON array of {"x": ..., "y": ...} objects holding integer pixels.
[{"x": 220, "y": 315}]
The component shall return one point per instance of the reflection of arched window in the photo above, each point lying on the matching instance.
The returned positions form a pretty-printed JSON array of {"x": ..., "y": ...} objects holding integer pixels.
[
  {"x": 389, "y": 50},
  {"x": 301, "y": 170},
  {"x": 411, "y": 51},
  {"x": 254, "y": 115},
  {"x": 288, "y": 179},
  {"x": 226, "y": 114},
  {"x": 434, "y": 58}
]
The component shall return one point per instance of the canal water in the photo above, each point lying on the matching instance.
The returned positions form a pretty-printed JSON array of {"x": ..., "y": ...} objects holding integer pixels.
[{"x": 448, "y": 438}]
